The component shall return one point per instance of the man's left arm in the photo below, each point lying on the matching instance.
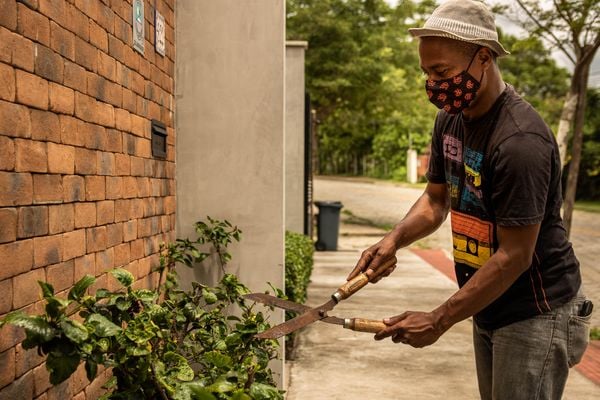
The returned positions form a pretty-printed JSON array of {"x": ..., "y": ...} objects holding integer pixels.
[{"x": 513, "y": 257}]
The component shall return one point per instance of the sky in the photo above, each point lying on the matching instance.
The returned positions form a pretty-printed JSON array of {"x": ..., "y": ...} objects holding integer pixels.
[{"x": 510, "y": 27}]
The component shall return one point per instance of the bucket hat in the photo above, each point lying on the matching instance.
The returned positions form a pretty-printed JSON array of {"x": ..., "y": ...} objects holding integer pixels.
[{"x": 466, "y": 20}]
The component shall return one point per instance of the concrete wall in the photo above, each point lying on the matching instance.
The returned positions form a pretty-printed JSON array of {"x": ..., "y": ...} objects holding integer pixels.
[
  {"x": 230, "y": 118},
  {"x": 294, "y": 136}
]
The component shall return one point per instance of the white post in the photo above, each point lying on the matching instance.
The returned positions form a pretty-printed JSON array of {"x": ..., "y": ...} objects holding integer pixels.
[{"x": 411, "y": 166}]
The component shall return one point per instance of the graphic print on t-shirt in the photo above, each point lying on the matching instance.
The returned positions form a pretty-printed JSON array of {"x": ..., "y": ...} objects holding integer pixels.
[{"x": 471, "y": 239}]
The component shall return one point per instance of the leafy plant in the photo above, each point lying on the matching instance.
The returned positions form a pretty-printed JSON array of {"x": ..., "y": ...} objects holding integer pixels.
[
  {"x": 299, "y": 250},
  {"x": 595, "y": 333},
  {"x": 175, "y": 345}
]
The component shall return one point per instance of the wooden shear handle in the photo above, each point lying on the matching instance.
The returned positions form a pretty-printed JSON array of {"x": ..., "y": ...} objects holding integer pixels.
[
  {"x": 354, "y": 285},
  {"x": 364, "y": 325}
]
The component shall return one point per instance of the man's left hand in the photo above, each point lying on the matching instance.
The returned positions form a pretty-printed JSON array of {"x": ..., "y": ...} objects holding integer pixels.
[{"x": 418, "y": 329}]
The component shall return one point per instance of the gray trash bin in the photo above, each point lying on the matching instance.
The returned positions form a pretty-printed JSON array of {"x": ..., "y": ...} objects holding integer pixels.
[{"x": 328, "y": 224}]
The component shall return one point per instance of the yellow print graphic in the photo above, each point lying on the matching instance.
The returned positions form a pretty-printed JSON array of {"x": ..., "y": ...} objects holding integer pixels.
[{"x": 472, "y": 239}]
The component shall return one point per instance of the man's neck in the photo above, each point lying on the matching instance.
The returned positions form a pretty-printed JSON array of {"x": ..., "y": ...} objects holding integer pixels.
[{"x": 485, "y": 99}]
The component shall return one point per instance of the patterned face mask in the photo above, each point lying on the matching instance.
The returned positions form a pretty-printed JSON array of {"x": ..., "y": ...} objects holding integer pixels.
[{"x": 454, "y": 94}]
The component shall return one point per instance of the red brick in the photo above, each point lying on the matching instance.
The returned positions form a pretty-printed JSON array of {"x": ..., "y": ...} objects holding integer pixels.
[
  {"x": 85, "y": 265},
  {"x": 94, "y": 136},
  {"x": 47, "y": 189},
  {"x": 21, "y": 388},
  {"x": 105, "y": 115},
  {"x": 130, "y": 230},
  {"x": 54, "y": 10},
  {"x": 143, "y": 187},
  {"x": 74, "y": 244},
  {"x": 98, "y": 36},
  {"x": 73, "y": 188},
  {"x": 26, "y": 289},
  {"x": 115, "y": 48},
  {"x": 7, "y": 83},
  {"x": 114, "y": 234},
  {"x": 61, "y": 218},
  {"x": 106, "y": 18},
  {"x": 107, "y": 66},
  {"x": 113, "y": 142},
  {"x": 129, "y": 187},
  {"x": 86, "y": 54},
  {"x": 15, "y": 258},
  {"x": 62, "y": 99},
  {"x": 137, "y": 166},
  {"x": 105, "y": 212},
  {"x": 45, "y": 126},
  {"x": 41, "y": 379},
  {"x": 33, "y": 25},
  {"x": 122, "y": 120},
  {"x": 105, "y": 163},
  {"x": 122, "y": 210},
  {"x": 69, "y": 130},
  {"x": 26, "y": 360},
  {"x": 16, "y": 50},
  {"x": 48, "y": 64},
  {"x": 6, "y": 300},
  {"x": 61, "y": 158},
  {"x": 7, "y": 154},
  {"x": 136, "y": 209},
  {"x": 90, "y": 8},
  {"x": 61, "y": 275},
  {"x": 14, "y": 120},
  {"x": 75, "y": 77},
  {"x": 143, "y": 148},
  {"x": 10, "y": 335},
  {"x": 7, "y": 360},
  {"x": 96, "y": 239},
  {"x": 77, "y": 22},
  {"x": 129, "y": 101},
  {"x": 114, "y": 187},
  {"x": 62, "y": 41},
  {"x": 137, "y": 249},
  {"x": 85, "y": 215},
  {"x": 105, "y": 260},
  {"x": 95, "y": 188},
  {"x": 31, "y": 90},
  {"x": 85, "y": 107},
  {"x": 47, "y": 250},
  {"x": 121, "y": 255},
  {"x": 30, "y": 156},
  {"x": 8, "y": 226},
  {"x": 8, "y": 18},
  {"x": 85, "y": 161},
  {"x": 122, "y": 164},
  {"x": 33, "y": 221},
  {"x": 17, "y": 189}
]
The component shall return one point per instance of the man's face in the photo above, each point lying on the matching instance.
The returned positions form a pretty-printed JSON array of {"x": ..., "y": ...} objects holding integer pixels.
[{"x": 442, "y": 59}]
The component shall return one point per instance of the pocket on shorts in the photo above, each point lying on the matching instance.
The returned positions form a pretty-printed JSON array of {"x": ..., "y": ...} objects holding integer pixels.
[{"x": 578, "y": 337}]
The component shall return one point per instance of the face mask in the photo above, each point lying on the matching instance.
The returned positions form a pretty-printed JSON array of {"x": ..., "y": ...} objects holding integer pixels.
[{"x": 454, "y": 94}]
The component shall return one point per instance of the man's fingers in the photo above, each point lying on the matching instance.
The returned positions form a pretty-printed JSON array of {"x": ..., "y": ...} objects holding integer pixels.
[
  {"x": 365, "y": 260},
  {"x": 394, "y": 320},
  {"x": 386, "y": 273},
  {"x": 389, "y": 331}
]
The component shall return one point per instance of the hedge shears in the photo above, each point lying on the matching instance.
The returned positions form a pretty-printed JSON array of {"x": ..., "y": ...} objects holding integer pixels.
[{"x": 310, "y": 315}]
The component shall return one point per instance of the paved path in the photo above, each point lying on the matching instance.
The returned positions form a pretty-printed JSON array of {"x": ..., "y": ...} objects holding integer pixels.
[{"x": 332, "y": 363}]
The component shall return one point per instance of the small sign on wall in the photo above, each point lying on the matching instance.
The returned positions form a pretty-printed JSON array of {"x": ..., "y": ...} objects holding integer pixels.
[
  {"x": 138, "y": 25},
  {"x": 159, "y": 40}
]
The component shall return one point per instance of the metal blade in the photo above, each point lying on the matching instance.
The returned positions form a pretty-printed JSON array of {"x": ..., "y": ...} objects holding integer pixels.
[
  {"x": 273, "y": 301},
  {"x": 300, "y": 321}
]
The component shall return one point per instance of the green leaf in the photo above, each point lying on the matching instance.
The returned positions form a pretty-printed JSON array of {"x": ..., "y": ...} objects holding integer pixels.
[
  {"x": 178, "y": 366},
  {"x": 47, "y": 289},
  {"x": 80, "y": 287},
  {"x": 123, "y": 276},
  {"x": 222, "y": 386},
  {"x": 91, "y": 370},
  {"x": 38, "y": 330},
  {"x": 193, "y": 391},
  {"x": 55, "y": 306},
  {"x": 240, "y": 395},
  {"x": 61, "y": 366},
  {"x": 217, "y": 359},
  {"x": 102, "y": 326},
  {"x": 74, "y": 330},
  {"x": 209, "y": 297},
  {"x": 260, "y": 391}
]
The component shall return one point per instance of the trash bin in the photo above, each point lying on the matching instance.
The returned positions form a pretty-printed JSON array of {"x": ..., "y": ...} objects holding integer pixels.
[{"x": 328, "y": 224}]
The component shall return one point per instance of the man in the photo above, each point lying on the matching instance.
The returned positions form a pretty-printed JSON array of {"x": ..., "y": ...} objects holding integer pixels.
[{"x": 495, "y": 167}]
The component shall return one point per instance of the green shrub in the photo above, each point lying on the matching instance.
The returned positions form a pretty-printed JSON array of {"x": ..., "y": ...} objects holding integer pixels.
[
  {"x": 299, "y": 250},
  {"x": 165, "y": 343}
]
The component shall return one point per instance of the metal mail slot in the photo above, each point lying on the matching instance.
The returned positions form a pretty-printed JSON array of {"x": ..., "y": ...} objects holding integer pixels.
[{"x": 159, "y": 139}]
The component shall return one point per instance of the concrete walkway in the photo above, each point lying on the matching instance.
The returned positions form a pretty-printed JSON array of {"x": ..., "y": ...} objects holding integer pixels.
[{"x": 333, "y": 363}]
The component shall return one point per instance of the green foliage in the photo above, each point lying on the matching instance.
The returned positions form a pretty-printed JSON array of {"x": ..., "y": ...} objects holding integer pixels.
[
  {"x": 595, "y": 333},
  {"x": 299, "y": 250},
  {"x": 180, "y": 345},
  {"x": 588, "y": 186}
]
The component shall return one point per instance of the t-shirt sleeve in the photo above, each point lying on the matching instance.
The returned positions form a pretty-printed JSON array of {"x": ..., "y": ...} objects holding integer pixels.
[
  {"x": 436, "y": 171},
  {"x": 522, "y": 168}
]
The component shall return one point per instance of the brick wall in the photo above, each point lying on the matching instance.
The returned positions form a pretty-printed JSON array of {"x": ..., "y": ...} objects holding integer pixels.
[{"x": 80, "y": 192}]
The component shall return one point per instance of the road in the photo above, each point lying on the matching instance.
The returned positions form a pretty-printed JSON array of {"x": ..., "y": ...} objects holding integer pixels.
[{"x": 386, "y": 203}]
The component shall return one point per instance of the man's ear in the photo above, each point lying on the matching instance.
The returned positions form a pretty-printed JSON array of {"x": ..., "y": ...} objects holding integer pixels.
[{"x": 485, "y": 57}]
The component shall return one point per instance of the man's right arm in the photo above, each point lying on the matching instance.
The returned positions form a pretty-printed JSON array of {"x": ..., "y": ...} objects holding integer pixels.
[{"x": 424, "y": 217}]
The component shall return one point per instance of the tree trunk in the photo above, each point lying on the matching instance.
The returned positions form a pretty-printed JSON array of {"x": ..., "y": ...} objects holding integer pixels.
[
  {"x": 566, "y": 119},
  {"x": 580, "y": 77}
]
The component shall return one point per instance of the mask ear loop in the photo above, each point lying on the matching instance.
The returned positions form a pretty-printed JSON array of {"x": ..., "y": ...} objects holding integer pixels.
[{"x": 473, "y": 59}]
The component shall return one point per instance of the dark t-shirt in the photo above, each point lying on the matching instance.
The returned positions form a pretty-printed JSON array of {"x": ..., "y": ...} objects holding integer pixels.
[{"x": 503, "y": 169}]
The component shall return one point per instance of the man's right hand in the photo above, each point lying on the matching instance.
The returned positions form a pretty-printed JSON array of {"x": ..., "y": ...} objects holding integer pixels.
[{"x": 374, "y": 257}]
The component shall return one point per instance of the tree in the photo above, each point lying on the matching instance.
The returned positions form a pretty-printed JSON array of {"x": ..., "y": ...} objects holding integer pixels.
[{"x": 573, "y": 27}]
